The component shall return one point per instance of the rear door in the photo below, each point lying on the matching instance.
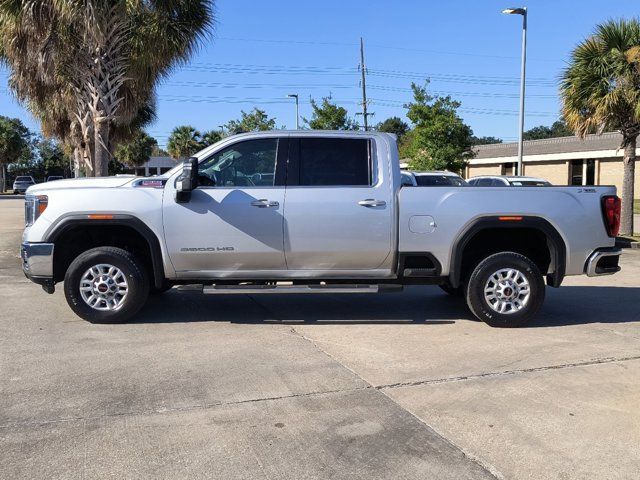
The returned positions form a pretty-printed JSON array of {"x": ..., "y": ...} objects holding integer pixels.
[{"x": 338, "y": 207}]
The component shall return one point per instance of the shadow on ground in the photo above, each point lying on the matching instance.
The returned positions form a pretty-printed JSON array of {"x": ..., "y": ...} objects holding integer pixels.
[{"x": 569, "y": 305}]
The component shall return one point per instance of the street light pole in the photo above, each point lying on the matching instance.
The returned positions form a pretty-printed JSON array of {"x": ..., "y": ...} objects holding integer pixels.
[
  {"x": 295, "y": 95},
  {"x": 521, "y": 11}
]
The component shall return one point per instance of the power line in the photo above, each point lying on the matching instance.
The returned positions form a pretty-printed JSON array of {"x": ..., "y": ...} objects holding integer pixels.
[{"x": 382, "y": 46}]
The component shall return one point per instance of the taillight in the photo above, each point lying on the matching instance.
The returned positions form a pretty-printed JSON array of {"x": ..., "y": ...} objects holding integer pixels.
[{"x": 611, "y": 206}]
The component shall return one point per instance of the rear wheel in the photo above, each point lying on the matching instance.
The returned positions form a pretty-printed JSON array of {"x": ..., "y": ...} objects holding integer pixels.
[
  {"x": 106, "y": 285},
  {"x": 505, "y": 290}
]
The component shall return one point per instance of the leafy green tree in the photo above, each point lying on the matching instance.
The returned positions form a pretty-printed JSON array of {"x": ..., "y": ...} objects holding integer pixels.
[
  {"x": 559, "y": 128},
  {"x": 184, "y": 141},
  {"x": 329, "y": 116},
  {"x": 484, "y": 140},
  {"x": 600, "y": 90},
  {"x": 394, "y": 125},
  {"x": 52, "y": 157},
  {"x": 253, "y": 121},
  {"x": 14, "y": 142},
  {"x": 87, "y": 68},
  {"x": 137, "y": 150},
  {"x": 439, "y": 140}
]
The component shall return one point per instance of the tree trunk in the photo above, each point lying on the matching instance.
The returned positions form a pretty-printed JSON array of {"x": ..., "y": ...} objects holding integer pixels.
[
  {"x": 3, "y": 175},
  {"x": 101, "y": 152},
  {"x": 626, "y": 223}
]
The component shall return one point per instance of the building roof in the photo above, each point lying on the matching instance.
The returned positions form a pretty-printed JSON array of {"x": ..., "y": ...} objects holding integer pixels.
[{"x": 606, "y": 141}]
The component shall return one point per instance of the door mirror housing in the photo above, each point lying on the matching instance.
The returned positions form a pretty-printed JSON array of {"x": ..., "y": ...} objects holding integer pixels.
[{"x": 188, "y": 180}]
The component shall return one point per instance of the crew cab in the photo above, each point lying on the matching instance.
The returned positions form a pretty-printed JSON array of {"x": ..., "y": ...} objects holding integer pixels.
[{"x": 310, "y": 212}]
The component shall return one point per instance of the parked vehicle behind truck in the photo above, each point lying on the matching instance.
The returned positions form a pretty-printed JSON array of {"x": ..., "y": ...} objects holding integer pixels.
[{"x": 310, "y": 212}]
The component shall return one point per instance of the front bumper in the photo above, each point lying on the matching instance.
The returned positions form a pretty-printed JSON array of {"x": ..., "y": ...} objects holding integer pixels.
[
  {"x": 37, "y": 263},
  {"x": 603, "y": 261}
]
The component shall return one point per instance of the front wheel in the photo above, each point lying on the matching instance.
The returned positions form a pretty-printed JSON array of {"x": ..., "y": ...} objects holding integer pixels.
[
  {"x": 106, "y": 285},
  {"x": 505, "y": 290}
]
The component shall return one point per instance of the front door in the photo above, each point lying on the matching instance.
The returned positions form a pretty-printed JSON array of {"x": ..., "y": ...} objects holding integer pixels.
[
  {"x": 338, "y": 210},
  {"x": 233, "y": 223}
]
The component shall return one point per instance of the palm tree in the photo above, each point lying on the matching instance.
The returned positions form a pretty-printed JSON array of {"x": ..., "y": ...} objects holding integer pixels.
[
  {"x": 210, "y": 137},
  {"x": 600, "y": 91},
  {"x": 100, "y": 60},
  {"x": 183, "y": 142}
]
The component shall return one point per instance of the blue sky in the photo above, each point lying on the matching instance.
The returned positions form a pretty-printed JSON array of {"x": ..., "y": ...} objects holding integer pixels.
[{"x": 261, "y": 51}]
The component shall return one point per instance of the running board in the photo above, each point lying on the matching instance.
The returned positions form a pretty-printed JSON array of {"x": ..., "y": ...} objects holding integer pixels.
[{"x": 288, "y": 288}]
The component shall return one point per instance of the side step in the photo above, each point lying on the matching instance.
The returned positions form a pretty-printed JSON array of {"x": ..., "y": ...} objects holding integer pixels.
[{"x": 289, "y": 288}]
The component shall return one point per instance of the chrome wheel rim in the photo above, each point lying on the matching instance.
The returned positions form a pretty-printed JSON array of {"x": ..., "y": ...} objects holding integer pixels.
[
  {"x": 104, "y": 287},
  {"x": 507, "y": 291}
]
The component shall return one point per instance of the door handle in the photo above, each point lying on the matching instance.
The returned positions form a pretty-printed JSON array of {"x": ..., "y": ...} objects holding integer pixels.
[
  {"x": 370, "y": 202},
  {"x": 264, "y": 203}
]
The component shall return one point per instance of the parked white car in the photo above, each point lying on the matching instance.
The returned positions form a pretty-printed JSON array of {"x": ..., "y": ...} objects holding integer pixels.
[
  {"x": 310, "y": 212},
  {"x": 507, "y": 181},
  {"x": 22, "y": 182},
  {"x": 432, "y": 179}
]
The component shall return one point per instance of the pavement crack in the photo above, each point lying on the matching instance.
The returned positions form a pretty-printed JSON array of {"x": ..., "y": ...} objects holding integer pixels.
[
  {"x": 189, "y": 408},
  {"x": 503, "y": 373}
]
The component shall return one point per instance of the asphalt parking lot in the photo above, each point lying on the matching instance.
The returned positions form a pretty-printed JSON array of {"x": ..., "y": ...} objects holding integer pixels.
[{"x": 403, "y": 385}]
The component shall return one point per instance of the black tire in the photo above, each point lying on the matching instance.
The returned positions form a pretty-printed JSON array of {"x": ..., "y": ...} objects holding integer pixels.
[
  {"x": 136, "y": 279},
  {"x": 481, "y": 307},
  {"x": 454, "y": 292}
]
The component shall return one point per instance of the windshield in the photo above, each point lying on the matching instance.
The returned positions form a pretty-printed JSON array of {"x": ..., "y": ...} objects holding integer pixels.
[
  {"x": 439, "y": 181},
  {"x": 23, "y": 179}
]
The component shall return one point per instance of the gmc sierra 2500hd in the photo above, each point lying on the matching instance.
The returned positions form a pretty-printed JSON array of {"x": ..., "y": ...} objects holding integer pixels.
[{"x": 311, "y": 212}]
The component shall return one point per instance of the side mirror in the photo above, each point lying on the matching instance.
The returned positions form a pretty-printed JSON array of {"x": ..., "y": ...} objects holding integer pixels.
[{"x": 187, "y": 181}]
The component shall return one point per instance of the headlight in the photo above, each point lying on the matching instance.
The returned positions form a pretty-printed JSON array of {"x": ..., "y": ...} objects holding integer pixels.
[{"x": 34, "y": 206}]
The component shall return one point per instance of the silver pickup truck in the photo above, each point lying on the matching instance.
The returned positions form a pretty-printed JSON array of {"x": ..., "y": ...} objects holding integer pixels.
[{"x": 311, "y": 212}]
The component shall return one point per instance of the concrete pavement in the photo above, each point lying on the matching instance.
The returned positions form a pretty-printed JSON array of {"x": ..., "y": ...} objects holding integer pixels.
[
  {"x": 393, "y": 386},
  {"x": 197, "y": 388}
]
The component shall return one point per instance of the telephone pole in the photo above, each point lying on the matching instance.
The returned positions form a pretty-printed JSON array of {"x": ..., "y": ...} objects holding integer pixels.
[{"x": 363, "y": 82}]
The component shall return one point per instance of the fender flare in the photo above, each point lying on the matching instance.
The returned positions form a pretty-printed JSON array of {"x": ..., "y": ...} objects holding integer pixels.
[
  {"x": 67, "y": 222},
  {"x": 557, "y": 247}
]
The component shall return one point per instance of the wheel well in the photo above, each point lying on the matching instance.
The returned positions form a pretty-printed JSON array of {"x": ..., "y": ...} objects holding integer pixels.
[
  {"x": 76, "y": 239},
  {"x": 528, "y": 241}
]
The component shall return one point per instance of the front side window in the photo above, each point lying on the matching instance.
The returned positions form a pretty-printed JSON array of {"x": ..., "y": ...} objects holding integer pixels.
[
  {"x": 251, "y": 163},
  {"x": 335, "y": 161}
]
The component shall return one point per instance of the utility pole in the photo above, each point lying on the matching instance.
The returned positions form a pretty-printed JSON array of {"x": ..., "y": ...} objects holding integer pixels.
[{"x": 363, "y": 82}]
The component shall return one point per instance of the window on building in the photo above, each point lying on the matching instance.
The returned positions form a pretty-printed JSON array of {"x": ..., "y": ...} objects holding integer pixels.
[
  {"x": 509, "y": 169},
  {"x": 575, "y": 172},
  {"x": 582, "y": 172}
]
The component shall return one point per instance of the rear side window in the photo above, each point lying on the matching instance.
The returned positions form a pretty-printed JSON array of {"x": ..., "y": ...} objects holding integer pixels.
[
  {"x": 334, "y": 161},
  {"x": 23, "y": 179}
]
